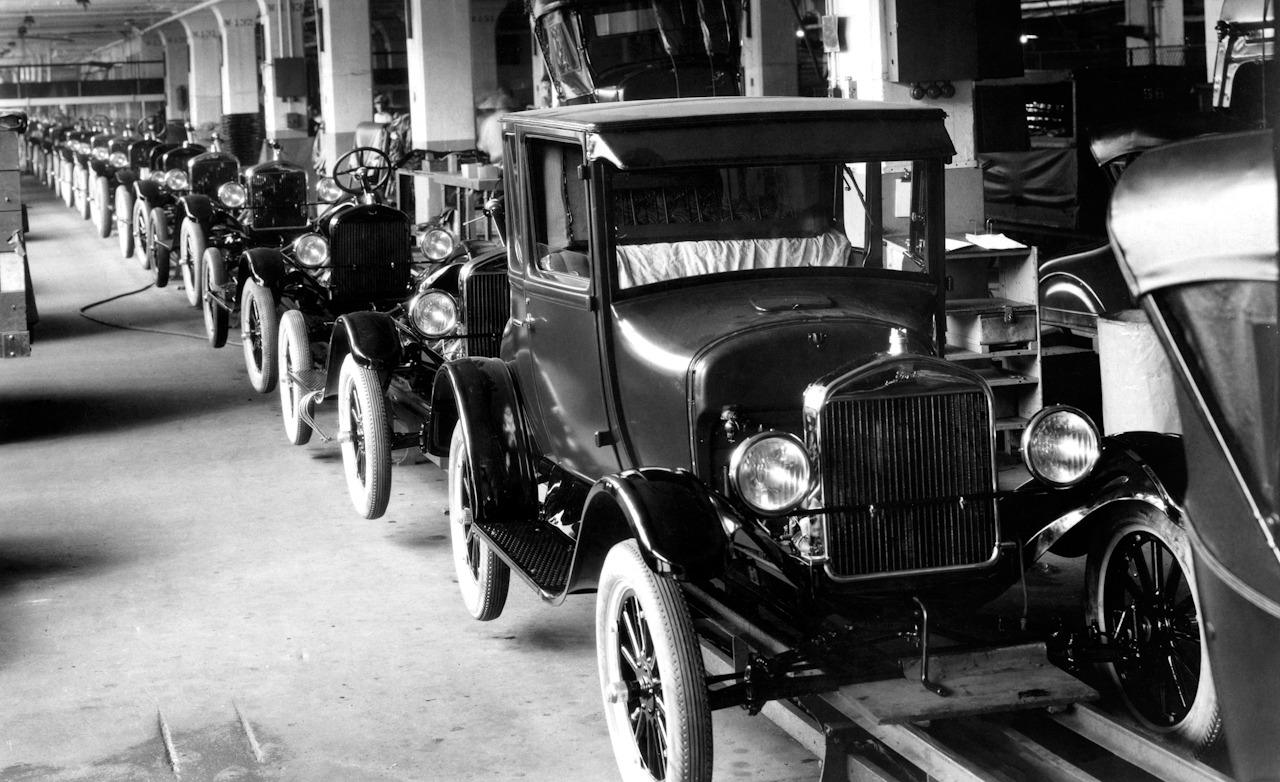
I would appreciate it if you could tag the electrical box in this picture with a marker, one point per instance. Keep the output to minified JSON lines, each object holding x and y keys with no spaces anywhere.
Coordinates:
{"x":952,"y":40}
{"x":291,"y":76}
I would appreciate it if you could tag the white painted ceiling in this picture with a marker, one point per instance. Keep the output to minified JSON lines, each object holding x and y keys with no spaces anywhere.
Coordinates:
{"x":71,"y":30}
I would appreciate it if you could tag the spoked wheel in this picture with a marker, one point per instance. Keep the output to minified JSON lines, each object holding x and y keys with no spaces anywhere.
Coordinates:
{"x":217,"y":320}
{"x":191,"y":247}
{"x":142,"y":231}
{"x":258,"y":335}
{"x":101,"y":206}
{"x":651,"y":673}
{"x":159,"y":246}
{"x":1141,"y":593}
{"x":483,"y":578}
{"x":365,"y":433}
{"x":295,"y":357}
{"x":124,"y":220}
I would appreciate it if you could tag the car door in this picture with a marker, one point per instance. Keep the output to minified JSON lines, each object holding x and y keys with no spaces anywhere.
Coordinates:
{"x":554,"y":310}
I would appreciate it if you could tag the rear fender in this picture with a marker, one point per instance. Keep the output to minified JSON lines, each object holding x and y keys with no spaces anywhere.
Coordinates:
{"x":1134,"y":467}
{"x":481,"y":394}
{"x":372,"y":338}
{"x":671,"y":515}
{"x":196,"y":207}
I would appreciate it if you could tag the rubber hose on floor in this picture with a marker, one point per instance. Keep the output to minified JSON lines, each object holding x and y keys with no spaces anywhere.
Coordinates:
{"x":85,"y":309}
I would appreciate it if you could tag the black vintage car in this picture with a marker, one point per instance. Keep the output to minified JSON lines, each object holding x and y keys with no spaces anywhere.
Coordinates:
{"x":206,"y":206}
{"x":136,"y":166}
{"x":157,"y":197}
{"x":720,"y":397}
{"x":73,"y":150}
{"x":457,"y":306}
{"x":264,"y":213}
{"x":110,"y":155}
{"x":87,"y":152}
{"x":1195,"y":227}
{"x":356,"y":256}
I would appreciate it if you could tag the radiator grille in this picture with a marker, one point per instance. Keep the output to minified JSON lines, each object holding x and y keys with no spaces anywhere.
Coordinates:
{"x":370,"y":260}
{"x":488,"y":307}
{"x":277,"y":199}
{"x":208,"y":175}
{"x":911,"y":458}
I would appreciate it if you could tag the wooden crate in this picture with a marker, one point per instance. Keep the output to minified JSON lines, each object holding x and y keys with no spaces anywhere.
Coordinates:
{"x":15,"y":337}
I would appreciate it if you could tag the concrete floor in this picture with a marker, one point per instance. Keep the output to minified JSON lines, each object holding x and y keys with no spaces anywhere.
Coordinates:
{"x":163,"y":550}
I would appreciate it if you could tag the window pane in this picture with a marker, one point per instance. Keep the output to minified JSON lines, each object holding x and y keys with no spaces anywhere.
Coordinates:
{"x":705,"y":221}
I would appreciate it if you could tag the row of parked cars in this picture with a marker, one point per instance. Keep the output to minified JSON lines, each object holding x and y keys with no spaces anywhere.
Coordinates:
{"x":701,"y":375}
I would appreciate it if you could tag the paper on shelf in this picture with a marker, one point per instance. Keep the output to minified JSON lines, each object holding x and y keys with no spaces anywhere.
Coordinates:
{"x":956,"y":244}
{"x":994,"y":242}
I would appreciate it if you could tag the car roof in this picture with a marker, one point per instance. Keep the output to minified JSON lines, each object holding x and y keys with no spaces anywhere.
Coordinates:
{"x":684,"y":131}
{"x":1196,"y":211}
{"x":1246,"y":11}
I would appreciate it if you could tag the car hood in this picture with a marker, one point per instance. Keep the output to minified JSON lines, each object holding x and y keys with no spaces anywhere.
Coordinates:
{"x":683,"y":358}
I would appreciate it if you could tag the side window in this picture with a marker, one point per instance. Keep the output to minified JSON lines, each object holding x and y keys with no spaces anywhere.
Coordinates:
{"x":558,"y":216}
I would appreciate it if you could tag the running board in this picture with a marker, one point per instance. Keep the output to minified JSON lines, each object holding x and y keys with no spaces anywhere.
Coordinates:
{"x":537,"y":551}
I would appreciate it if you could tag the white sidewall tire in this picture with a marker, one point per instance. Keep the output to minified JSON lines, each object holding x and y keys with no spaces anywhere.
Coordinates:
{"x":141,"y":232}
{"x":124,"y":221}
{"x":258,"y":323}
{"x":191,"y":247}
{"x":1201,"y":727}
{"x":678,"y":657}
{"x":295,"y":356}
{"x":360,"y":397}
{"x":82,"y":193}
{"x":102,"y":206}
{"x":484,"y":588}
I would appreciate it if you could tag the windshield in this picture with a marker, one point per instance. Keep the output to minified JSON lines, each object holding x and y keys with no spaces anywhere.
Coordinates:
{"x":695,"y":223}
{"x":1226,"y":332}
{"x":590,"y":46}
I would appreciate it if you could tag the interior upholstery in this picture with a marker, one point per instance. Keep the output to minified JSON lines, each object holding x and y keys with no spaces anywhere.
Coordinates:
{"x":644,"y":264}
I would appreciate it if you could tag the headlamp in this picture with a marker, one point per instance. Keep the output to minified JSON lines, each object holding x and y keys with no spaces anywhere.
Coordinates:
{"x":231,"y":194}
{"x":311,"y":250}
{"x":433,"y":313}
{"x":770,"y":472}
{"x":177,"y":179}
{"x":437,"y":243}
{"x":1060,"y":445}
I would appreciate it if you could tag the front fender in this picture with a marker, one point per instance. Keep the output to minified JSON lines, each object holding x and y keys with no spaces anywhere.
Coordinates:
{"x":1134,"y":467}
{"x":148,"y":191}
{"x":126,"y":177}
{"x":266,"y":265}
{"x":669,"y":513}
{"x":369,"y":336}
{"x":101,"y":168}
{"x":196,"y":207}
{"x":481,"y":395}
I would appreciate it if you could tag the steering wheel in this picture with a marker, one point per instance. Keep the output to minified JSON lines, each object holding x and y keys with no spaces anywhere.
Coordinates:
{"x":362,"y":170}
